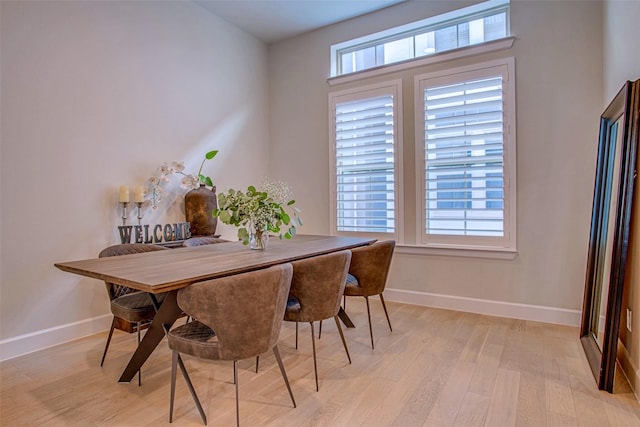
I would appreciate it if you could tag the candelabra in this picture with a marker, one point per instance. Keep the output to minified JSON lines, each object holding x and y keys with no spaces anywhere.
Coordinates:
{"x":124,"y":212}
{"x":139,"y":207}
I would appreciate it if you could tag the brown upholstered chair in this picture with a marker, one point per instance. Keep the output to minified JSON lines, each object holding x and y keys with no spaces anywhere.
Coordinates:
{"x":238,"y":317}
{"x":128,"y":304}
{"x":368,"y":275}
{"x":202,"y":240}
{"x":316,"y":290}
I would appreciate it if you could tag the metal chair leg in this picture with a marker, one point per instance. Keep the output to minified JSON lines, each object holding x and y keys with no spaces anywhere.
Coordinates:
{"x":190,"y":387}
{"x":385,"y":312}
{"x":174,"y":365}
{"x":344,"y":343}
{"x":320,"y":330}
{"x":276,"y":352}
{"x":296,"y":335}
{"x":257,"y":362}
{"x":369,"y":316}
{"x":106,"y":347}
{"x":139,"y":370}
{"x":235,"y":380}
{"x":315,"y":363}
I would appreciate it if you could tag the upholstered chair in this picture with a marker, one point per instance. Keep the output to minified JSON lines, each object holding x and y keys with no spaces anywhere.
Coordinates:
{"x":316,"y":290}
{"x":238,"y":317}
{"x":368,"y":275}
{"x":202,"y":240}
{"x":128,"y":304}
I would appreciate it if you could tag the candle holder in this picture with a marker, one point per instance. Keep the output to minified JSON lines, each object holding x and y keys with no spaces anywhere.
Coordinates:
{"x":139,"y":207}
{"x":124,"y":212}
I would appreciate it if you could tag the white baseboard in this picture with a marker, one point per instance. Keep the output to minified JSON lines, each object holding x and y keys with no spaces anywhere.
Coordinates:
{"x":629,"y":369}
{"x":34,"y":341}
{"x":24,"y":344}
{"x":561,"y":316}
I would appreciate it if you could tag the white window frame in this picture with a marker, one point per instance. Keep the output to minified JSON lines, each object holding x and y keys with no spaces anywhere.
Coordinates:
{"x":394,"y":88}
{"x":458,"y":16}
{"x":506,"y":68}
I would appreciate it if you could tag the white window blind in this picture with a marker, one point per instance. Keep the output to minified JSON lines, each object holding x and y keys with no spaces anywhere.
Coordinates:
{"x":364,"y":162}
{"x":465,"y":159}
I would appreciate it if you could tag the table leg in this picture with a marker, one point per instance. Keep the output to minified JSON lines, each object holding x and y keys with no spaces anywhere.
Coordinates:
{"x":345,"y":318}
{"x":165,"y":317}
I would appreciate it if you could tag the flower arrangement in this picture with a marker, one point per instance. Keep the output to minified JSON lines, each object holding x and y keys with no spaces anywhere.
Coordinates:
{"x":155,"y":185}
{"x":259,"y":211}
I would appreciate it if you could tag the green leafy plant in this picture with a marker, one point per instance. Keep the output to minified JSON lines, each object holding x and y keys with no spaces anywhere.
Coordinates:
{"x":203,"y":178}
{"x":265,"y":210}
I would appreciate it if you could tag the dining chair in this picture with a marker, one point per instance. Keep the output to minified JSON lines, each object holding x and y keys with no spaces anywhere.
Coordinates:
{"x":129,"y":305}
{"x":202,"y":240}
{"x":238,"y":317}
{"x":316,"y":290}
{"x":368,"y":275}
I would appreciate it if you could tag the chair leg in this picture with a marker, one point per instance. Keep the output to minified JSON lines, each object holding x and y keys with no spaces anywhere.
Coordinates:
{"x":315,"y":363}
{"x":174,"y":365}
{"x":257,"y":362}
{"x":276,"y":352}
{"x":320,"y":330}
{"x":344,"y":343}
{"x":235,"y":380}
{"x":139,"y":370}
{"x":190,"y":387}
{"x":106,"y":347}
{"x":369,"y":316}
{"x":296,"y":335}
{"x":385,"y":312}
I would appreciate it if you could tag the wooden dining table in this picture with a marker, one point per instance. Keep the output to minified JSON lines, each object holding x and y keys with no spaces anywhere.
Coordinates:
{"x":165,"y":272}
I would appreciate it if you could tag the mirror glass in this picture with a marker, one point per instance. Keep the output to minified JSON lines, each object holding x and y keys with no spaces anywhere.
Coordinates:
{"x":610,"y":193}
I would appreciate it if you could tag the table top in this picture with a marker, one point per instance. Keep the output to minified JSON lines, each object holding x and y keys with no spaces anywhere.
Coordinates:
{"x":162,"y":271}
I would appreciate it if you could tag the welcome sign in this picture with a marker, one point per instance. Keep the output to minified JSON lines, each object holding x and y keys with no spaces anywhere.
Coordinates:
{"x":157,"y":234}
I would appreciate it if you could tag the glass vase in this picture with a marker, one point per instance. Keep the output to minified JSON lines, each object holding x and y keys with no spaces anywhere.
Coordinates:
{"x":258,"y":238}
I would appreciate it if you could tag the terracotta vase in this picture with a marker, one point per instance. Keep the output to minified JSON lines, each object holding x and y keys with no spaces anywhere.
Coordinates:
{"x":198,"y":205}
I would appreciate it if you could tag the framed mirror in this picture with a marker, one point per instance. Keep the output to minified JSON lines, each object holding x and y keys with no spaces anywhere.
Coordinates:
{"x":609,"y":236}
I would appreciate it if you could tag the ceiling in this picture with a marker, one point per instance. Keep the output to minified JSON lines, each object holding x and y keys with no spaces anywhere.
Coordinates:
{"x":275,"y":20}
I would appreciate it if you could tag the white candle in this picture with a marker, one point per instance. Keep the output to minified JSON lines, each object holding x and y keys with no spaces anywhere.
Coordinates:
{"x":124,"y":194}
{"x":139,"y":194}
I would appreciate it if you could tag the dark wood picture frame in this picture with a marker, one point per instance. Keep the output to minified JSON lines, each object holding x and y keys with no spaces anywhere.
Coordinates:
{"x":609,"y":236}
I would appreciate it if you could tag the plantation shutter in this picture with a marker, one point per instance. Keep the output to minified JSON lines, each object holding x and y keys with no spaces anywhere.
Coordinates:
{"x":464,"y":158}
{"x":364,"y":152}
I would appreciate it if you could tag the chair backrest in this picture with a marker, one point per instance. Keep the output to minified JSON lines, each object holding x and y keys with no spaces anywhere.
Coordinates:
{"x":370,"y":265}
{"x":245,"y":310}
{"x":202,"y":240}
{"x":318,"y":284}
{"x":125,"y":249}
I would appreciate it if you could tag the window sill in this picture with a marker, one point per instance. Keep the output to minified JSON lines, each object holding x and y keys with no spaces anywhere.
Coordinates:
{"x":458,"y":251}
{"x":492,"y":46}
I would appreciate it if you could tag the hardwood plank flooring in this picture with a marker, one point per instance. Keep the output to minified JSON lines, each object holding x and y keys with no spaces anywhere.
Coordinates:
{"x":437,"y":368}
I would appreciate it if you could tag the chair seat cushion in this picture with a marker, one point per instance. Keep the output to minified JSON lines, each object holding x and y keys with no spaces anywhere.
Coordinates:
{"x":352,"y":287}
{"x":135,"y":306}
{"x":194,"y":338}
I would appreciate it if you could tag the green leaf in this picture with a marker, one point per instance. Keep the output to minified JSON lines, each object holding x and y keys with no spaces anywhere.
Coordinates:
{"x":290,"y":202}
{"x":215,"y":213}
{"x":285,"y":218}
{"x":211,"y":154}
{"x":225,"y":217}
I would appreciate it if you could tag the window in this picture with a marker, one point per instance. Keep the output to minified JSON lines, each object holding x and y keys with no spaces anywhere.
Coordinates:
{"x":468,"y":26}
{"x":365,"y":158}
{"x":466,"y":156}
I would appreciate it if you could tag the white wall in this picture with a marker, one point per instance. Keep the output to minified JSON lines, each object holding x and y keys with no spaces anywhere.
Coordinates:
{"x":621,"y":63}
{"x":558,"y":55}
{"x":95,"y":95}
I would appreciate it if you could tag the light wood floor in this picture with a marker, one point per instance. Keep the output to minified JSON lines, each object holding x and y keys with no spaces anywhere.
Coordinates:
{"x":436,"y":368}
